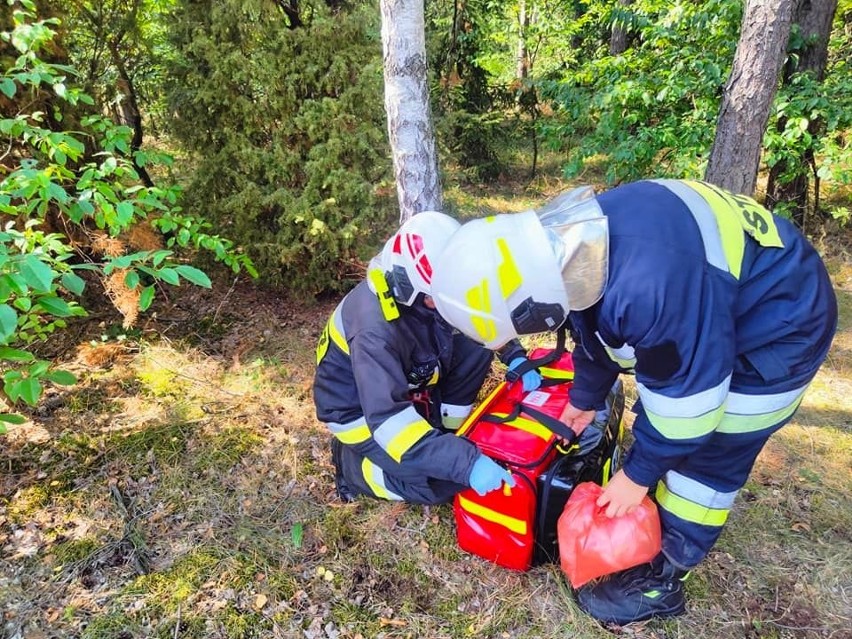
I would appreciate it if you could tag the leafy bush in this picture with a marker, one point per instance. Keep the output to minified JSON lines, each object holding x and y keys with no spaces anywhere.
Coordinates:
{"x":70,"y":211}
{"x":288,"y":128}
{"x":653,"y":108}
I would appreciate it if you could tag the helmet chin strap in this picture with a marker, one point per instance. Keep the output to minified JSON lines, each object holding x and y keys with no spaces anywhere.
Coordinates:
{"x":379,"y":284}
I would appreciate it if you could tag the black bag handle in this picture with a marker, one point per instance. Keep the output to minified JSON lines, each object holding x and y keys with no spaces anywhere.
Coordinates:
{"x":550,"y":423}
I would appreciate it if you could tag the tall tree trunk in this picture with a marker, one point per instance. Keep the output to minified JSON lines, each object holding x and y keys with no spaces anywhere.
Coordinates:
{"x":618,"y":39}
{"x":412,"y":138}
{"x":814,"y":18}
{"x":521,"y":56}
{"x":735,"y":157}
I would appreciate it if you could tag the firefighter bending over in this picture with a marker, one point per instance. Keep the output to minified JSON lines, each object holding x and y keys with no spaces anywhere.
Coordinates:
{"x":722,"y":310}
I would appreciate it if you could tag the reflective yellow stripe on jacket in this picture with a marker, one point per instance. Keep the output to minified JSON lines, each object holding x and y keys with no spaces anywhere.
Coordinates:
{"x":333,"y":331}
{"x":400,"y":432}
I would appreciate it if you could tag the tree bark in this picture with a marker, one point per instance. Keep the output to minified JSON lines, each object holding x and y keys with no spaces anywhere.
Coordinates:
{"x":412,"y":138}
{"x":748,"y":95}
{"x":618,"y":39}
{"x":814,"y":18}
{"x":521,"y":56}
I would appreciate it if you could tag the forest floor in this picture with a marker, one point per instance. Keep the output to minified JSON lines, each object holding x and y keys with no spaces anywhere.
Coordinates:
{"x":183,"y":488}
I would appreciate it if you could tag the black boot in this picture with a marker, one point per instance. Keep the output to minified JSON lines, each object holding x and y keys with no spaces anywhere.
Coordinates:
{"x":345,"y":493}
{"x":649,"y":590}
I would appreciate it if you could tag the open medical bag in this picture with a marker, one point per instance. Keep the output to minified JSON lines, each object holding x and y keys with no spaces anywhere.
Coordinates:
{"x":516,"y":527}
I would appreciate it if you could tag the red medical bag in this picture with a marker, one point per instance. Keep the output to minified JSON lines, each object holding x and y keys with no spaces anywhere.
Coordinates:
{"x":516,"y":527}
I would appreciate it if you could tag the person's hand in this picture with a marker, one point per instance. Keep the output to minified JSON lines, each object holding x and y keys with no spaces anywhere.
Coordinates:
{"x":621,"y":495}
{"x":531,"y":379}
{"x":576,"y":419}
{"x":488,"y":475}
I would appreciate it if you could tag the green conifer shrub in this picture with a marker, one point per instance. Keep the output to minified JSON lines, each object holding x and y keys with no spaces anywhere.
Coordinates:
{"x":287,"y":126}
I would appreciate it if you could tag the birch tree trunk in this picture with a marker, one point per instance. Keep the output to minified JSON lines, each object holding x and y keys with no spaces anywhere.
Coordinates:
{"x":751,"y":87}
{"x":412,"y":138}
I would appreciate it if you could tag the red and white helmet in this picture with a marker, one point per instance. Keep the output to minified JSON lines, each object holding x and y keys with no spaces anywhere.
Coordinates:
{"x":409,"y":256}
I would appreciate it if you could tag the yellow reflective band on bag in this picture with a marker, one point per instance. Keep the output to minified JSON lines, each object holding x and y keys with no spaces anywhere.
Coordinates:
{"x":507,"y":271}
{"x":517,"y":526}
{"x":688,"y":510}
{"x":556,"y":373}
{"x":528,"y":426}
{"x":406,"y":438}
{"x":479,"y":299}
{"x":736,"y":214}
{"x":474,"y":417}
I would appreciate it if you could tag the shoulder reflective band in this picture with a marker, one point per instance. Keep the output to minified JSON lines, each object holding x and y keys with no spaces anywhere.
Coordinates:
{"x":380,"y":285}
{"x":734,"y":216}
{"x":517,"y":526}
{"x":334,"y":331}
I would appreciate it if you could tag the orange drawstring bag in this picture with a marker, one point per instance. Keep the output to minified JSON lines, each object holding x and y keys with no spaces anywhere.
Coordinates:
{"x":592,"y":545}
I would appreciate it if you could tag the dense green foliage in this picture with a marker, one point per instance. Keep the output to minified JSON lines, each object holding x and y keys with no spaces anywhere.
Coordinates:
{"x":61,"y":202}
{"x":275,"y":107}
{"x":651,"y":109}
{"x":287,"y":126}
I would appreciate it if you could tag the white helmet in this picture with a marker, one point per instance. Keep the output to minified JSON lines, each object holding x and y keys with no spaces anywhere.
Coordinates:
{"x":517,"y":274}
{"x":408,"y":258}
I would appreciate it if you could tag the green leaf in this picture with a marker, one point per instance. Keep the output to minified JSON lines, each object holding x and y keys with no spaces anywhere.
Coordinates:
{"x":169,"y":275}
{"x":194,"y":275}
{"x":8,"y":322}
{"x":124,"y":210}
{"x":73,"y":283}
{"x":30,"y":390}
{"x":131,"y":280}
{"x":146,"y":298}
{"x":15,"y":355}
{"x":55,"y":306}
{"x":10,"y":418}
{"x":8,"y":87}
{"x":63,"y":378}
{"x":296,"y":535}
{"x":37,"y":274}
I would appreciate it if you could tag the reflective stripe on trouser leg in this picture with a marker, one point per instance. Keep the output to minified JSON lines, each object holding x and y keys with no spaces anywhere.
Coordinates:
{"x":369,"y":470}
{"x":695,"y":498}
{"x":375,"y":478}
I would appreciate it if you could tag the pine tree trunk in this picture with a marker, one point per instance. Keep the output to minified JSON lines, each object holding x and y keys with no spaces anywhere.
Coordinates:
{"x":412,"y":138}
{"x":751,"y":87}
{"x":814,"y":18}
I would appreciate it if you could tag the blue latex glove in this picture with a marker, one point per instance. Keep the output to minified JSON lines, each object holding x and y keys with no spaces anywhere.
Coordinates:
{"x":488,"y":475}
{"x":531,"y":379}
